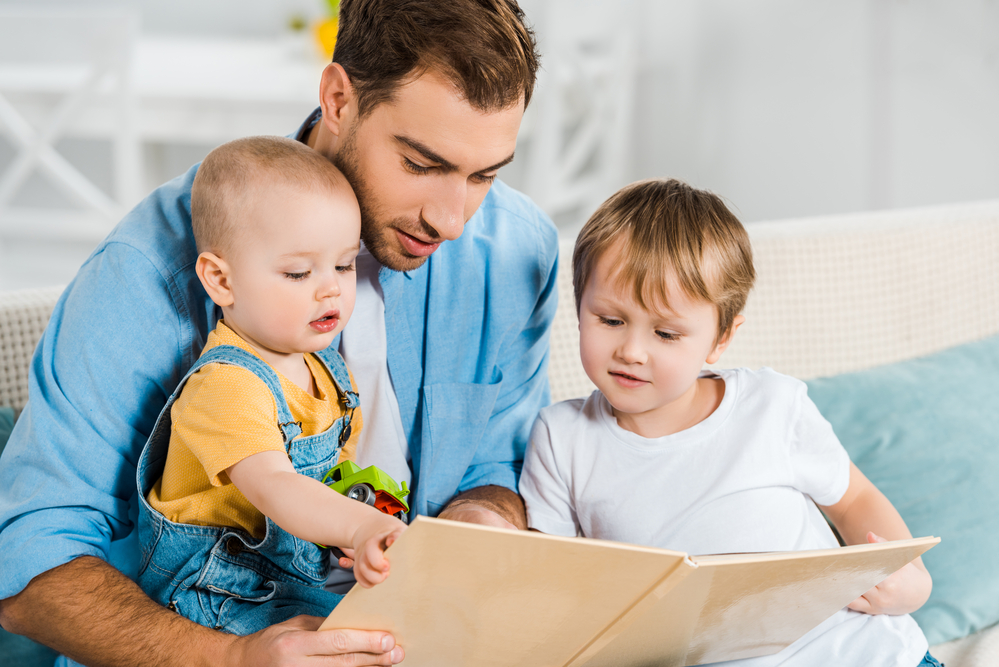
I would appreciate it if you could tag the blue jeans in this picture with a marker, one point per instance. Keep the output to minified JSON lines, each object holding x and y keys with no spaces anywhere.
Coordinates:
{"x":222,"y":577}
{"x":930,"y":661}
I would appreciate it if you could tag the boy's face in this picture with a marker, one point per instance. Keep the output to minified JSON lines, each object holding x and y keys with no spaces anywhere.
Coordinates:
{"x":291,"y":272}
{"x":645,"y":363}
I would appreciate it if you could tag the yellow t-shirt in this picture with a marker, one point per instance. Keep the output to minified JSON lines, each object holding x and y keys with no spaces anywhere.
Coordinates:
{"x":224,"y":414}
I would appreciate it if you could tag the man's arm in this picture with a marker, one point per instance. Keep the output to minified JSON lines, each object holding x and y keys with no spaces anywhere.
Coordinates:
{"x":78,"y":609}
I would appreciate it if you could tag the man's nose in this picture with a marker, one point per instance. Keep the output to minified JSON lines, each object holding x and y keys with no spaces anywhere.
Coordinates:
{"x":445,"y":211}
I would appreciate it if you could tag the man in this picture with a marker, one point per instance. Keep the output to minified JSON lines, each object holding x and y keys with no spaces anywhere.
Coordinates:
{"x":420,"y":108}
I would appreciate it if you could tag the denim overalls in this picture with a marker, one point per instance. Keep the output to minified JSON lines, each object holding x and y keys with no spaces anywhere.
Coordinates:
{"x":223,"y":578}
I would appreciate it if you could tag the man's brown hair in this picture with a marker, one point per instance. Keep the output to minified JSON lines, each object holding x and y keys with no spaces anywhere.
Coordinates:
{"x":483,"y":47}
{"x":227,"y":177}
{"x":670,"y":229}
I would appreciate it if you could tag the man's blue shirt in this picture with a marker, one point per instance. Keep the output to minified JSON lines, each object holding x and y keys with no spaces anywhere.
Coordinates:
{"x":467,"y":338}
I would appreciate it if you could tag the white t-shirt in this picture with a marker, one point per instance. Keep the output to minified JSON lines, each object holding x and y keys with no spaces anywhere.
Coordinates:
{"x":742,"y":480}
{"x":363,"y":345}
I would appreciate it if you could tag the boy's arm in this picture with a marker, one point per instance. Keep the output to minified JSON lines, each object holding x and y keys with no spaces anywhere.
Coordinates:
{"x":316,"y":513}
{"x":865,"y":515}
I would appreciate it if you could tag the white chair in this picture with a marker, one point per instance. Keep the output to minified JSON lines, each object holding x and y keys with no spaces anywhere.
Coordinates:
{"x":56,"y":64}
{"x":578,"y":128}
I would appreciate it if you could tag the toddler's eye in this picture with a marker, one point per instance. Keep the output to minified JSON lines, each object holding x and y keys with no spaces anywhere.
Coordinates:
{"x":666,"y":335}
{"x":297,"y":276}
{"x":345,"y":269}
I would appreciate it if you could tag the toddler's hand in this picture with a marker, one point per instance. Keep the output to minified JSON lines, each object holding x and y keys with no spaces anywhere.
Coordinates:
{"x":371,"y":540}
{"x":902,"y":593}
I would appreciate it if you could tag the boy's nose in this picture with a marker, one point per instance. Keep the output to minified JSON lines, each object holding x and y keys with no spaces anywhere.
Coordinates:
{"x":631,"y":351}
{"x":330,"y":288}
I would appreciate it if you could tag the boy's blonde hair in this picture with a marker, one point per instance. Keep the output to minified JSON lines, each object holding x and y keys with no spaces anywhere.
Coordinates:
{"x":227,"y":177}
{"x":670,"y":229}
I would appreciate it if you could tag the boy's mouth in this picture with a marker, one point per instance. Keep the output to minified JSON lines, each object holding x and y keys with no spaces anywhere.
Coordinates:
{"x":327,"y":322}
{"x":626,"y":380}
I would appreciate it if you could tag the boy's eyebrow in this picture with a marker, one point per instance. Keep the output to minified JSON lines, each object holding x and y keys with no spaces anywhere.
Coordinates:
{"x":443,"y":164}
{"x":310,"y":253}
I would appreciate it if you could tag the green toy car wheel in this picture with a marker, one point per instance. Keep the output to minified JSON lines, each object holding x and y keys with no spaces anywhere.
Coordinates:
{"x":362,"y":493}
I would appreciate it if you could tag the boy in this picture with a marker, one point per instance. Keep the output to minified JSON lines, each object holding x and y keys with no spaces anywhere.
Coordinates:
{"x":669,"y":455}
{"x":229,"y":528}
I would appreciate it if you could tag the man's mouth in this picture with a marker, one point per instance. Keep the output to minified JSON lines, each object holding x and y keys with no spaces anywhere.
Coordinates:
{"x":415,"y":246}
{"x":327,"y":322}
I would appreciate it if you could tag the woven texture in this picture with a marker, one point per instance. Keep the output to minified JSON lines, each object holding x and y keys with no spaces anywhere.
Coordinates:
{"x":23,"y":315}
{"x":843,"y":293}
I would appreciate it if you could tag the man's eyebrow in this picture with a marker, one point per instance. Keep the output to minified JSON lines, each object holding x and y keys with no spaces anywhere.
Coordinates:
{"x":445,"y":165}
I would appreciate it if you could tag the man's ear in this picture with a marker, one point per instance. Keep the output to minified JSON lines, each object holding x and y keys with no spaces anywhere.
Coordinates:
{"x":724,"y":341}
{"x":336,"y":98}
{"x":213,"y":272}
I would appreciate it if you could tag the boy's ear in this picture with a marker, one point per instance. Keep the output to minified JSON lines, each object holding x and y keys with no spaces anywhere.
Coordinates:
{"x":724,"y":341}
{"x":213,"y":272}
{"x":336,"y":97}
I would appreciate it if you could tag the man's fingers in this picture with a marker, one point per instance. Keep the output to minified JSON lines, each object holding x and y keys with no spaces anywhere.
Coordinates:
{"x":357,"y":647}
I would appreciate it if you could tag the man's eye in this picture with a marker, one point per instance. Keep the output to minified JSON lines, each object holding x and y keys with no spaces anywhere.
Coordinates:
{"x":297,"y":276}
{"x":666,"y":335}
{"x":345,"y":269}
{"x":415,"y":168}
{"x":483,"y":178}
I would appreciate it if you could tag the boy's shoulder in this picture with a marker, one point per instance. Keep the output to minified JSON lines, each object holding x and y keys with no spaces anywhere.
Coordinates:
{"x":763,"y":389}
{"x":584,"y":408}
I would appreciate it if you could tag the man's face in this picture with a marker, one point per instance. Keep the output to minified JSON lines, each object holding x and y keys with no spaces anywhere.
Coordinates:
{"x":420,"y":165}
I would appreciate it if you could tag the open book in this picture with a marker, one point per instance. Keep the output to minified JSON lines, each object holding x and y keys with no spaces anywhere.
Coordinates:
{"x":461,"y":594}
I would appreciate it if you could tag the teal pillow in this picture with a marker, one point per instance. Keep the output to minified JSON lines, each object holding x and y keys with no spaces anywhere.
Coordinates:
{"x":6,"y":425}
{"x":926,"y":432}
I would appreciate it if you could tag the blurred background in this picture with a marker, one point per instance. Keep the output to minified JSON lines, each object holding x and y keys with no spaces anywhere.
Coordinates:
{"x":785,"y":108}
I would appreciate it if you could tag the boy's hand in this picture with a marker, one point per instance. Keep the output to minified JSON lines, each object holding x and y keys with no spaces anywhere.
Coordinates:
{"x":902,"y":593}
{"x":371,"y":540}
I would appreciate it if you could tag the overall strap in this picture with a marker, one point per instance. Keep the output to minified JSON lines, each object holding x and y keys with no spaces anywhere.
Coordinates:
{"x":341,"y":376}
{"x":232,"y":355}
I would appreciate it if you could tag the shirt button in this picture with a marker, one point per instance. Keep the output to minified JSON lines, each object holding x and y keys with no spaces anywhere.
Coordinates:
{"x":234,"y":546}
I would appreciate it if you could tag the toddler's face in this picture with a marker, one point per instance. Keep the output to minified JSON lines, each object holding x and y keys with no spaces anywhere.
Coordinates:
{"x":645,"y":363}
{"x":292,"y":268}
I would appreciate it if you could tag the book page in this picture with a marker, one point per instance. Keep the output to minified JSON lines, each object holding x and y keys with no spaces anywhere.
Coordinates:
{"x":461,"y":594}
{"x":746,"y":605}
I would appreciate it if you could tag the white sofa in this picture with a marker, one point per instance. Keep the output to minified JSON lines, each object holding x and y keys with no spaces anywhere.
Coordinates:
{"x":834,"y":295}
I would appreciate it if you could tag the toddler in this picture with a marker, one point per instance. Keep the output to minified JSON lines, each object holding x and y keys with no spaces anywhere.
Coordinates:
{"x":232,"y":503}
{"x":666,"y":454}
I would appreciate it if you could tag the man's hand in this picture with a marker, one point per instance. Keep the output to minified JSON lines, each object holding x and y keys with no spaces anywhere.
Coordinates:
{"x":91,"y":612}
{"x":902,"y":593}
{"x":490,"y":506}
{"x":296,"y":642}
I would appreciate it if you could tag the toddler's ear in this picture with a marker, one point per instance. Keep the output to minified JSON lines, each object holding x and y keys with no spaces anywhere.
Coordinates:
{"x":724,"y":341}
{"x":213,"y":272}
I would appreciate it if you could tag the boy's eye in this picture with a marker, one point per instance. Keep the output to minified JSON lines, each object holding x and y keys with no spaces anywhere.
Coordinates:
{"x":416,"y":168}
{"x":297,"y":276}
{"x":610,"y":321}
{"x":347,"y":268}
{"x":666,"y":335}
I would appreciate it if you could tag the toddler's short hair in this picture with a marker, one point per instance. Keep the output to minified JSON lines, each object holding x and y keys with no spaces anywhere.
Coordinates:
{"x":230,"y":172}
{"x":670,"y":229}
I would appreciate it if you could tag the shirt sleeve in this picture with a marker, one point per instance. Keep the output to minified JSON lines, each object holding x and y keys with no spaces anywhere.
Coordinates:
{"x":819,"y":463}
{"x":523,"y":366}
{"x":545,"y":492}
{"x":107,"y":361}
{"x":225,"y":414}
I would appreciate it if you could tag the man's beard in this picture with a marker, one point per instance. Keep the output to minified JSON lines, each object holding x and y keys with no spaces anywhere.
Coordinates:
{"x":374,"y":234}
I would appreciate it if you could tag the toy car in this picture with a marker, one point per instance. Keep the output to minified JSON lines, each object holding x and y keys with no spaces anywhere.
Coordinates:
{"x":371,"y":486}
